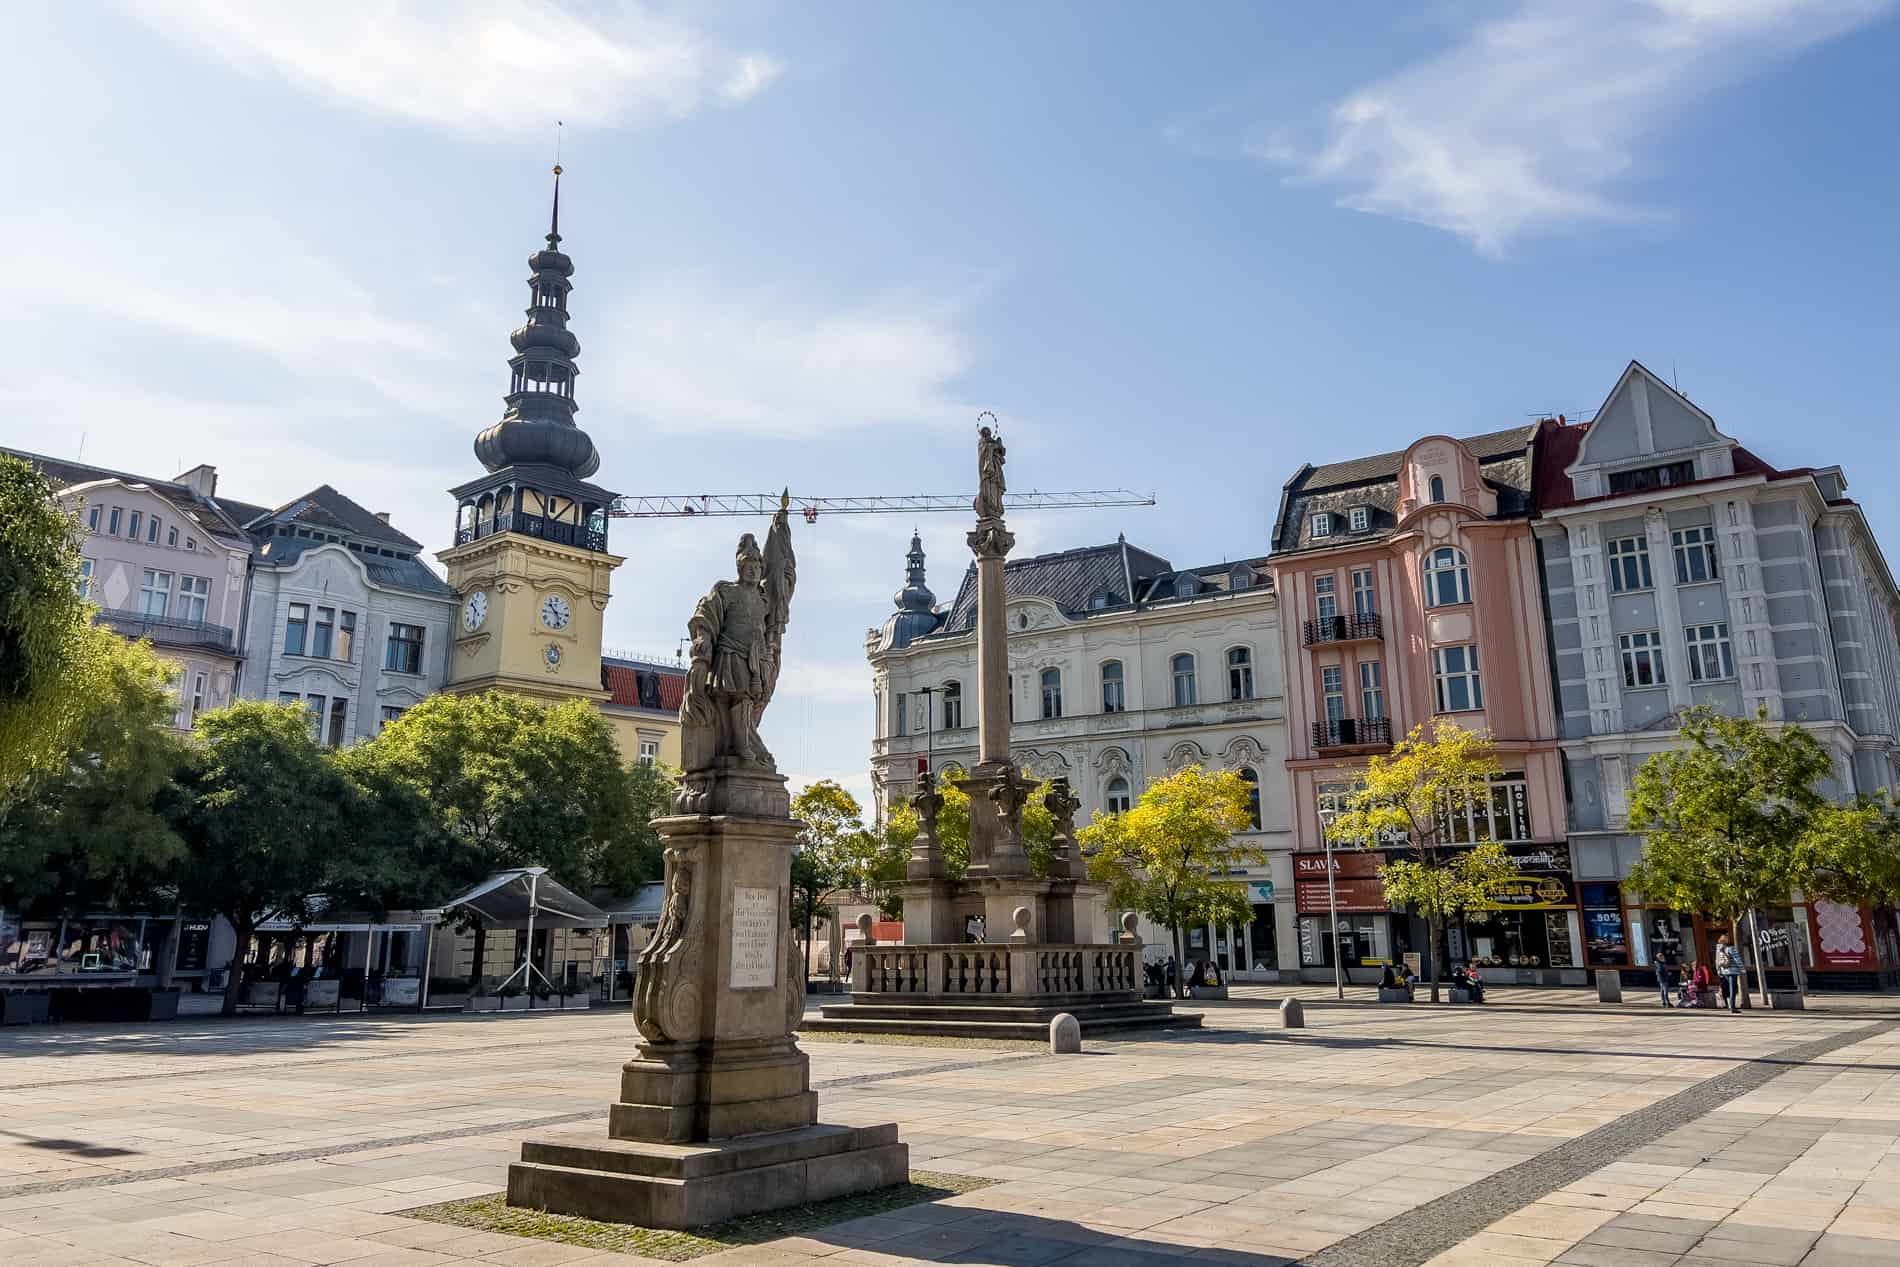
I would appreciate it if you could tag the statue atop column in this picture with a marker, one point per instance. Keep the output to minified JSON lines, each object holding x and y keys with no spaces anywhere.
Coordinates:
{"x":737,"y":630}
{"x":990,"y":538}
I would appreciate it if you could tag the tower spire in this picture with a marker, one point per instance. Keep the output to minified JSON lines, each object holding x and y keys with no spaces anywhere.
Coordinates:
{"x":554,"y":221}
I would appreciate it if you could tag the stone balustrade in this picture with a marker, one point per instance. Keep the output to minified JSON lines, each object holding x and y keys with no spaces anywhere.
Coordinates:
{"x":997,"y":970}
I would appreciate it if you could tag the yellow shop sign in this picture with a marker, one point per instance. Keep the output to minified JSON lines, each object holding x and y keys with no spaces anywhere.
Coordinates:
{"x":1527,"y":893}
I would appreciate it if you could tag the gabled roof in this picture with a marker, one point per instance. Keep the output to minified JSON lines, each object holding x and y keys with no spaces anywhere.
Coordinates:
{"x":1558,"y":445}
{"x":324,"y":507}
{"x":1068,"y":579}
{"x":219,"y":516}
{"x":642,"y":684}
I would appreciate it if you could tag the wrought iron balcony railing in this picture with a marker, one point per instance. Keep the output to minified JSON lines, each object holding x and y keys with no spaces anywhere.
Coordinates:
{"x":555,"y":530}
{"x":1353,"y":732}
{"x":1358,"y":627}
{"x":169,"y":631}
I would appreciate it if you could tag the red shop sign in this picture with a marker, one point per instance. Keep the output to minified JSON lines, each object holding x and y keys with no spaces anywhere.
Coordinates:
{"x":1841,"y":936}
{"x":1349,"y":862}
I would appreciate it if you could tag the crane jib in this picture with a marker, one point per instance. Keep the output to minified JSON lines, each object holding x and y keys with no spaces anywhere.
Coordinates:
{"x":754,"y":504}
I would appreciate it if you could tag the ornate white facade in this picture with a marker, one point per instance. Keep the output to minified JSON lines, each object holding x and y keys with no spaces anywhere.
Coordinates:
{"x":1122,"y":670}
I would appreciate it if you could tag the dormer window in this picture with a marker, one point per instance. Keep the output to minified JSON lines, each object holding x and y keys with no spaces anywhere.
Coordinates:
{"x":1100,"y":600}
{"x":1323,"y":524}
{"x":1240,"y":578}
{"x":1360,"y":518}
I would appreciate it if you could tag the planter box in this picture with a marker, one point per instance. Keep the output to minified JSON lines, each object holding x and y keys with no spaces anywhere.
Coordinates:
{"x":322,"y":994}
{"x":163,"y":1006}
{"x":516,"y":1003}
{"x":1786,"y":1001}
{"x":1207,"y":992}
{"x":576,"y":1000}
{"x":1395,"y":994}
{"x":21,"y":1008}
{"x":261,"y":994}
{"x":402,"y":992}
{"x":484,"y":1003}
{"x":1460,"y":995}
{"x":448,"y":998}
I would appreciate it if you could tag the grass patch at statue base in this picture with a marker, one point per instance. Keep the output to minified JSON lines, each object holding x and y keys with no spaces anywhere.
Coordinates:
{"x":494,"y":1214}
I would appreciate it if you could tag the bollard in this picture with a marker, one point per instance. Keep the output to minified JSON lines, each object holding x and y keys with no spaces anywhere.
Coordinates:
{"x":1609,"y":985}
{"x":1292,"y":1015}
{"x":1065,"y":1035}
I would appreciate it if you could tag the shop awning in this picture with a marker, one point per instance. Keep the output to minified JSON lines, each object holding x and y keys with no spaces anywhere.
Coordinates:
{"x":643,"y":907}
{"x":509,"y":899}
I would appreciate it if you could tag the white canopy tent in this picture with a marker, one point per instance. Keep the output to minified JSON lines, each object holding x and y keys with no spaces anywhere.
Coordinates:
{"x":530,"y":898}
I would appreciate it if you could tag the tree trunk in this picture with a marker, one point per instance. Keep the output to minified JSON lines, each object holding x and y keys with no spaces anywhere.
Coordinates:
{"x":811,"y":921}
{"x":234,"y":971}
{"x":1441,"y":962}
{"x":1180,"y":962}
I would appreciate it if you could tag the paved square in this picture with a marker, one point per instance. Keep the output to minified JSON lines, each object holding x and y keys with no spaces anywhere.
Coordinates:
{"x":1376,"y":1135}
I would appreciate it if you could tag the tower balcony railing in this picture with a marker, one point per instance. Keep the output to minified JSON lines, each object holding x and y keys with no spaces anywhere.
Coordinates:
{"x":1353,"y":732}
{"x":169,"y":631}
{"x":1357,"y":627}
{"x":558,"y":531}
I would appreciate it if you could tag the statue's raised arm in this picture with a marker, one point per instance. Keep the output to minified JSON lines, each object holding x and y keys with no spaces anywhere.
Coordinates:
{"x":781,"y":578}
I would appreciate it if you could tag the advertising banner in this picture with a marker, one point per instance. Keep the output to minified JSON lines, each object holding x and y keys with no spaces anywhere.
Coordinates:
{"x":1843,"y":939}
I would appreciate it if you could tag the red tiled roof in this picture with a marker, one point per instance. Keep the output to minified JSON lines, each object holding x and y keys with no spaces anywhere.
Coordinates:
{"x":623,"y":680}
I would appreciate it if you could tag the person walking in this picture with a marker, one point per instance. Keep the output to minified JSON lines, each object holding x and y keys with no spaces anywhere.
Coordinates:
{"x":1668,"y":961}
{"x":1728,"y":966}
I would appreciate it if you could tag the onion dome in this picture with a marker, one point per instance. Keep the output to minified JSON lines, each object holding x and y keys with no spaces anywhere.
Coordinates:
{"x":538,"y":427}
{"x":916,"y":613}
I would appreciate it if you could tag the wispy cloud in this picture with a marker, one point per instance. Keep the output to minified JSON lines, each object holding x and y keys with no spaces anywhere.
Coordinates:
{"x":1529,"y":122}
{"x":697,"y":356}
{"x":496,"y":67}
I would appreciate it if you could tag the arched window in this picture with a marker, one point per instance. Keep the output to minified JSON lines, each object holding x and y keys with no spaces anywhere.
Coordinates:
{"x":1447,"y":577}
{"x":1051,"y":694}
{"x":1113,"y":700}
{"x":1438,"y":488}
{"x":1118,"y":799}
{"x":1239,"y":673}
{"x":953,"y":705}
{"x":1252,"y":779}
{"x":1182,"y":667}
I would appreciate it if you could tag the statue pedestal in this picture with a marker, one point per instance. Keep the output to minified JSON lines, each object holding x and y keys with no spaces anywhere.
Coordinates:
{"x":716,"y":1116}
{"x":930,"y":908}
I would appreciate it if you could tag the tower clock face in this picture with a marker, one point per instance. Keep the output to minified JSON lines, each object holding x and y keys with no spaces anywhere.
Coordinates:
{"x":554,"y":612}
{"x":475,"y":610}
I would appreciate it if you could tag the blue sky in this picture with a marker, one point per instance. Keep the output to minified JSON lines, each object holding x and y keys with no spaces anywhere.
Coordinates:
{"x":1180,"y":249}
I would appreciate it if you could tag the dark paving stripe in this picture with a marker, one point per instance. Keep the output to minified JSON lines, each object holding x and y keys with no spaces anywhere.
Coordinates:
{"x":189,"y":1169}
{"x":1408,"y":1239}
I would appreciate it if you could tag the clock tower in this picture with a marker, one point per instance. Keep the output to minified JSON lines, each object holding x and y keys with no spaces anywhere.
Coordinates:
{"x":530,"y":560}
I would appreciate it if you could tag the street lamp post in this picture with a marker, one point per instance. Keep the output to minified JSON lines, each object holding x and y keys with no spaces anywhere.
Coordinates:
{"x":1332,"y":905}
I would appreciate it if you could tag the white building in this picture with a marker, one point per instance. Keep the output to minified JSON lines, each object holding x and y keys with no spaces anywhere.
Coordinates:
{"x":343,"y":616}
{"x":1122,"y":669}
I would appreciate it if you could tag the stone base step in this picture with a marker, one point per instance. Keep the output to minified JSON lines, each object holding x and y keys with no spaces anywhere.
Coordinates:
{"x":988,"y":1013}
{"x":919,"y":1021}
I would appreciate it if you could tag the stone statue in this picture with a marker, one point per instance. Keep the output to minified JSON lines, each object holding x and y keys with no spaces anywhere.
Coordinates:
{"x":928,"y":803}
{"x":1065,"y":859}
{"x":736,"y":632}
{"x":990,"y":455}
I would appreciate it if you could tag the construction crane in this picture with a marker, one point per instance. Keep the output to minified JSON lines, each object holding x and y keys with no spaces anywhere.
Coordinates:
{"x":756,"y":504}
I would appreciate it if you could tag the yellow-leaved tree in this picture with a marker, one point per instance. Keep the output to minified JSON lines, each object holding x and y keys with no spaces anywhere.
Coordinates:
{"x":1403,"y":801}
{"x":1168,"y":856}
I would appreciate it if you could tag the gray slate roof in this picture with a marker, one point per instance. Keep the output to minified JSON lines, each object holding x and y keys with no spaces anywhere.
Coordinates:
{"x":219,"y":516}
{"x":409,"y":574}
{"x":1068,"y":579}
{"x":324,"y":507}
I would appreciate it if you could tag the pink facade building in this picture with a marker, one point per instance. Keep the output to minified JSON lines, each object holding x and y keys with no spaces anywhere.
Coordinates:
{"x":1409,"y":592}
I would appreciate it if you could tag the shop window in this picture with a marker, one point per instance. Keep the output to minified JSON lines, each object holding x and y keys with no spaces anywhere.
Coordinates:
{"x":1360,"y":940}
{"x":1605,"y":936}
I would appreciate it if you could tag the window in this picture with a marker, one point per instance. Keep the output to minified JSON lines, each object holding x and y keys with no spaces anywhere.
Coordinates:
{"x":1645,"y":478}
{"x":1710,"y":656}
{"x":198,"y":688}
{"x":194,"y":593}
{"x":1364,"y":603}
{"x":1360,"y":518}
{"x":953,"y":705}
{"x":392,"y":713}
{"x":1695,"y":555}
{"x":297,"y":629}
{"x":322,"y":638}
{"x":171,"y":536}
{"x":1438,"y":489}
{"x":286,"y":697}
{"x":1322,"y":525}
{"x":313,"y":705}
{"x":1332,"y":688}
{"x":1252,"y":779}
{"x":155,"y":593}
{"x":133,"y":524}
{"x":1642,"y":659}
{"x":1112,"y":699}
{"x":92,"y":519}
{"x":112,"y":522}
{"x":1629,"y":564}
{"x":151,"y":532}
{"x":1183,"y":670}
{"x":1371,"y":690}
{"x":1051,"y":694}
{"x":1099,"y":600}
{"x":1325,"y":600}
{"x":404,"y":652}
{"x":84,"y":582}
{"x":1239,"y":673}
{"x":1447,"y":577}
{"x":346,"y":636}
{"x":1118,"y":799}
{"x":649,"y":751}
{"x":1240,"y":578}
{"x":1501,"y":814}
{"x":339,"y":718}
{"x":1455,"y":677}
{"x":191,"y":543}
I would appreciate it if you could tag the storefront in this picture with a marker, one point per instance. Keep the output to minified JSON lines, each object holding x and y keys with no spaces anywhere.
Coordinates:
{"x":1528,"y":931}
{"x":1343,"y":914}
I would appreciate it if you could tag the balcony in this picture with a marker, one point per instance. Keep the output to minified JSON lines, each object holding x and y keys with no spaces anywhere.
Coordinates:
{"x":167,"y":631}
{"x":1358,"y":627}
{"x":560,"y":532}
{"x":1353,"y":732}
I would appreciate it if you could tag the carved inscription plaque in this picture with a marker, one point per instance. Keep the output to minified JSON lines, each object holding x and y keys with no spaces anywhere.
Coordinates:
{"x":755,"y":920}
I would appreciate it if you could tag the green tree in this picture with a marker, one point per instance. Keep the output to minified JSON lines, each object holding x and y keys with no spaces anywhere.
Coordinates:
{"x":1404,"y":798}
{"x":1168,"y":856}
{"x":1851,"y":853}
{"x":953,"y":828}
{"x":1463,"y":882}
{"x":92,"y":834}
{"x":810,"y":883}
{"x":827,"y":816}
{"x":54,"y":665}
{"x":635,"y":857}
{"x":1728,"y":817}
{"x":519,"y":784}
{"x":260,"y":820}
